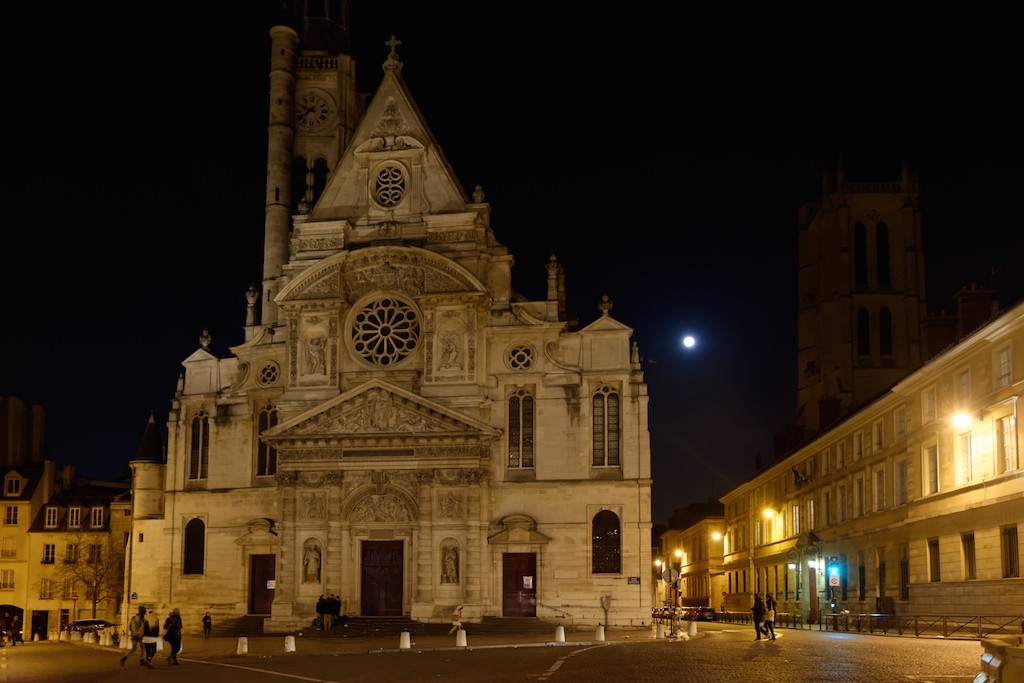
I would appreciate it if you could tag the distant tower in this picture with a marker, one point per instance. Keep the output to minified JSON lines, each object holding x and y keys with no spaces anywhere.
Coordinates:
{"x":314,"y":109}
{"x":861,"y":295}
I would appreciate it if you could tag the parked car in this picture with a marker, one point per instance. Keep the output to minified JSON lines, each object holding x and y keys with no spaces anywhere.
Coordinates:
{"x":699,"y":613}
{"x":91,"y":625}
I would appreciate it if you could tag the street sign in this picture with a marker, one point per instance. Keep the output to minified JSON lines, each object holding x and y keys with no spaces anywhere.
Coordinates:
{"x":74,"y":597}
{"x":670,"y":575}
{"x":833,"y":580}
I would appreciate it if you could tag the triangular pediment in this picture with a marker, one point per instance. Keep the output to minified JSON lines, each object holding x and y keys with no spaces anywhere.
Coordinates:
{"x":606,"y":323}
{"x":392,"y":132}
{"x":380,"y":414}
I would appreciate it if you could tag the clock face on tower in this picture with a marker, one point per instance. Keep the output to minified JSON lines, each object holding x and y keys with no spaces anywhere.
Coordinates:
{"x":312,"y":110}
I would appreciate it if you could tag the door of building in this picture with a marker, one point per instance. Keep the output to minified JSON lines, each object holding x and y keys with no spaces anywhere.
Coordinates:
{"x":261,"y":583}
{"x":381,"y":592}
{"x":519,"y":584}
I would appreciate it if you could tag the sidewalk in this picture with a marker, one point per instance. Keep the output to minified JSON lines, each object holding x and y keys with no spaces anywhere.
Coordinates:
{"x":317,"y":642}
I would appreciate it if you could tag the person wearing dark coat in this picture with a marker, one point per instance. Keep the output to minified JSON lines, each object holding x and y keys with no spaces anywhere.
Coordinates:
{"x":758,"y":610}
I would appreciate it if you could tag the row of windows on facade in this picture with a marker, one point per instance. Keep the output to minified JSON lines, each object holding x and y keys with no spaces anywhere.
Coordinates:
{"x":929,"y":413}
{"x":9,"y":549}
{"x":606,"y":421}
{"x":606,"y":548}
{"x":49,"y":589}
{"x":967,"y":470}
{"x":96,"y":517}
{"x":777,"y":578}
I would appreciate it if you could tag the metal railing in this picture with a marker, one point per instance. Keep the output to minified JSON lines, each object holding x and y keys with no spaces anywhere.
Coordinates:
{"x":927,"y":625}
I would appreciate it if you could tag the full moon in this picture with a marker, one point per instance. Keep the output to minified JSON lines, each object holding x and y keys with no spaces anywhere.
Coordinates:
{"x":689,"y":341}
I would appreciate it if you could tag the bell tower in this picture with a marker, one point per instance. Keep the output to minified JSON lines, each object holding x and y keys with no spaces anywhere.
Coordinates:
{"x":314,"y":110}
{"x":861,"y":294}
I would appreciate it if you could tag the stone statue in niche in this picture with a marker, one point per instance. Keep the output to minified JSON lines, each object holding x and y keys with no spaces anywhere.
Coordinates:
{"x":450,"y":565}
{"x":316,"y":356}
{"x":451,"y":356}
{"x":311,"y":560}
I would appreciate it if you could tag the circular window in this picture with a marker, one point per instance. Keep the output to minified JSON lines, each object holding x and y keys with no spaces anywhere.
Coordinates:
{"x":268,"y":374}
{"x":389,"y":184}
{"x":520,"y":357}
{"x":385,"y":331}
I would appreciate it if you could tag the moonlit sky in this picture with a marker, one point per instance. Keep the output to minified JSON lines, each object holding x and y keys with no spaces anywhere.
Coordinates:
{"x":661,"y":158}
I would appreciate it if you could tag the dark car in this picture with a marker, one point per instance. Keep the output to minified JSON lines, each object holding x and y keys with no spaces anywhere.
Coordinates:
{"x":699,"y":613}
{"x":91,"y":625}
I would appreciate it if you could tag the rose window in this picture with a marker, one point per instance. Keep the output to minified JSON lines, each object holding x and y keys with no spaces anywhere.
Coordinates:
{"x":385,"y":331}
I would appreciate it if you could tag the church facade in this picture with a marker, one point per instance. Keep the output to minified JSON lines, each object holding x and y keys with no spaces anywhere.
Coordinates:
{"x":398,"y":427}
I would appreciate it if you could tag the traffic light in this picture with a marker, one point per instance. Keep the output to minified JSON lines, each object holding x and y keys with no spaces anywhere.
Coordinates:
{"x":833,"y":580}
{"x":833,"y":566}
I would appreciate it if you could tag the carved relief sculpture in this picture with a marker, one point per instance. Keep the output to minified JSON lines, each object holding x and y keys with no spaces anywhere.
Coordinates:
{"x":450,"y":565}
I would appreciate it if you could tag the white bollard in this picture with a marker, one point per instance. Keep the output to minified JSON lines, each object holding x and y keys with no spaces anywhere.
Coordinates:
{"x":125,"y":643}
{"x":404,"y":641}
{"x":659,"y":632}
{"x":243,"y":646}
{"x":559,"y":634}
{"x":599,"y":636}
{"x":460,"y":638}
{"x":692,"y":631}
{"x":289,"y":643}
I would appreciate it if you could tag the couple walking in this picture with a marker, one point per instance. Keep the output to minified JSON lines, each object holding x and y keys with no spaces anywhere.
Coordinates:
{"x":144,"y":636}
{"x":764,"y":615}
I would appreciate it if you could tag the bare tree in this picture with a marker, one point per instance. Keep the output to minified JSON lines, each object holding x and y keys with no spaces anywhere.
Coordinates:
{"x":93,"y":561}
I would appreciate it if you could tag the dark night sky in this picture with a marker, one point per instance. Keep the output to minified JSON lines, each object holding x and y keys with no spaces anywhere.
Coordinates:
{"x":661,"y":158}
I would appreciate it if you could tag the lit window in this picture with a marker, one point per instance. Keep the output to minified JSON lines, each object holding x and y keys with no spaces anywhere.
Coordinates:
{"x":266,"y":455}
{"x":520,"y":429}
{"x":606,"y":427}
{"x":965,"y":456}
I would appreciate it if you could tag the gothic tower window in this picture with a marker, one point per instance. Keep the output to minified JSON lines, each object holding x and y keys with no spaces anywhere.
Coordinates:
{"x":606,"y":427}
{"x":199,"y":454}
{"x":863,"y":333}
{"x":266,"y":455}
{"x":885,"y":332}
{"x":606,"y":550}
{"x":860,"y":256}
{"x":194,"y":559}
{"x":882,"y":255}
{"x":520,"y":429}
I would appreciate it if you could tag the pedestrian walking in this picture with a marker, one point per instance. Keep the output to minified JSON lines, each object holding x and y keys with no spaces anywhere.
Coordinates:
{"x":456,"y":620}
{"x":137,"y":631}
{"x":769,"y":615}
{"x":207,"y":625}
{"x":16,"y":630}
{"x":152,"y":636}
{"x":172,"y":634}
{"x":758,"y":611}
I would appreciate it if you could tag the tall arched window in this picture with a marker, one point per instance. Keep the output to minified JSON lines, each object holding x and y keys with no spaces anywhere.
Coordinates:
{"x":860,"y":255}
{"x":882,"y":253}
{"x":863,"y":333}
{"x":266,"y":455}
{"x":199,"y":455}
{"x":520,"y":429}
{"x":194,"y":560}
{"x":606,"y":543}
{"x":885,"y":332}
{"x":606,"y":427}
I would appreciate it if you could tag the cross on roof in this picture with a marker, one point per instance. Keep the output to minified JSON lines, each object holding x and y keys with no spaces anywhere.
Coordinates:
{"x":393,"y":43}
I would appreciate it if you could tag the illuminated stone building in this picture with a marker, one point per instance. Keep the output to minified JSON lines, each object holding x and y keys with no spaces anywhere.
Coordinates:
{"x":398,"y":426}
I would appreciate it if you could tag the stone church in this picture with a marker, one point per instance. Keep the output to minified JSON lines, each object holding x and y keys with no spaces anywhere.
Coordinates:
{"x":398,"y":427}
